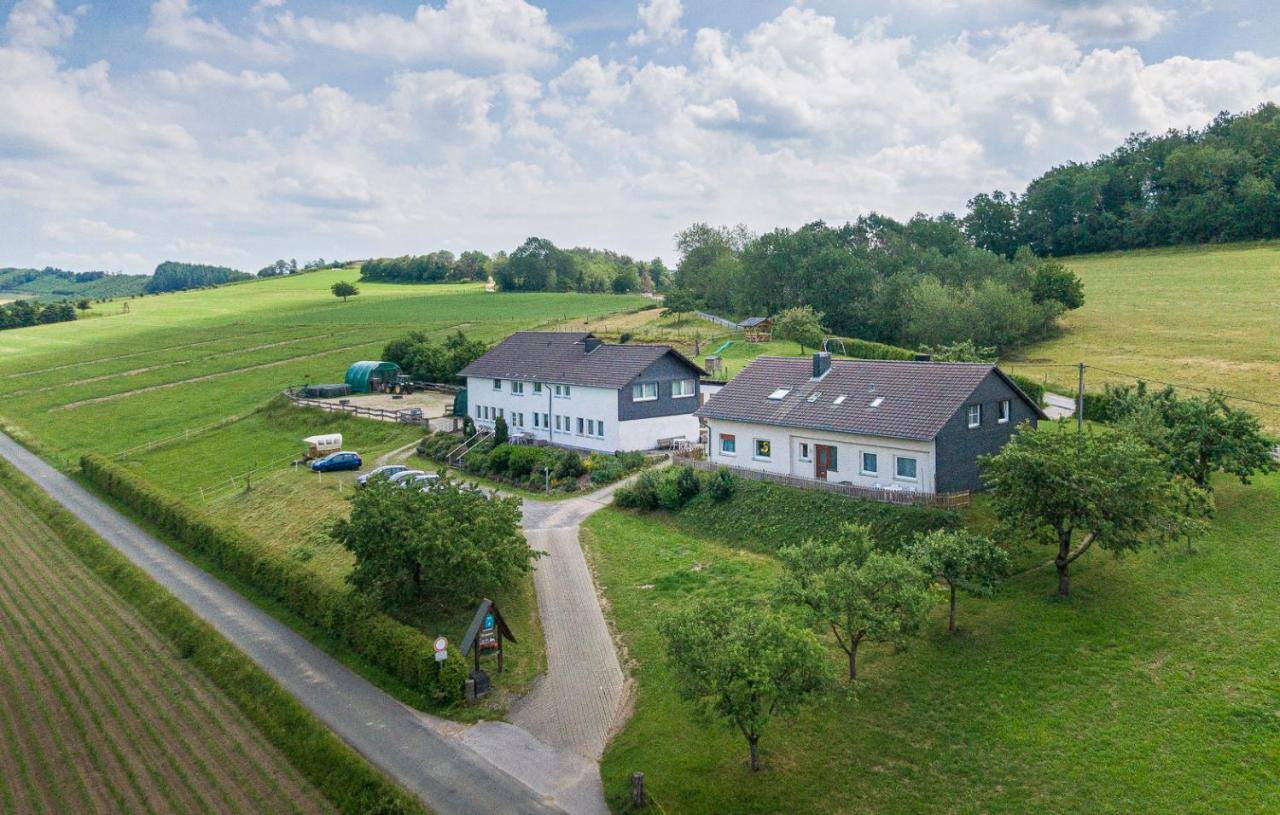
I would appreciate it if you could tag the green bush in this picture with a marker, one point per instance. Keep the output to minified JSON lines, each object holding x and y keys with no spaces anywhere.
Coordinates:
{"x":866,"y":349}
{"x":569,"y":465}
{"x":402,"y":651}
{"x":525,"y":460}
{"x":341,"y":775}
{"x":607,"y":471}
{"x":678,"y":487}
{"x":721,"y":485}
{"x":497,"y":460}
{"x":641,"y":495}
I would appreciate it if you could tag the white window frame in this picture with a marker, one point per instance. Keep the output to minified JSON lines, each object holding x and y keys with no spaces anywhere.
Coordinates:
{"x":755,"y":447}
{"x":563,"y":392}
{"x":580,"y":426}
{"x":732,"y":437}
{"x":497,"y":384}
{"x":537,"y":420}
{"x":517,"y":388}
{"x":1003,"y":411}
{"x":897,"y":476}
{"x":537,"y":387}
{"x":546,"y":421}
{"x":862,"y":462}
{"x":681,"y":384}
{"x":640,"y":392}
{"x":970,"y":418}
{"x":804,"y":452}
{"x":517,"y":419}
{"x":599,"y":428}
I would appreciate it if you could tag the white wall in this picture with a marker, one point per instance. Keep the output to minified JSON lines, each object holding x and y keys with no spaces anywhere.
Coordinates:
{"x":785,"y":454}
{"x":600,"y":404}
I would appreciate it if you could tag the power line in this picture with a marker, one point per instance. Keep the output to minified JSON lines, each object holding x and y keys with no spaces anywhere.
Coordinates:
{"x":1183,"y":386}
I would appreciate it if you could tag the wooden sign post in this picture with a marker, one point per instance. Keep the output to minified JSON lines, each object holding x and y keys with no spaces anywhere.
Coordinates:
{"x":485,"y":635}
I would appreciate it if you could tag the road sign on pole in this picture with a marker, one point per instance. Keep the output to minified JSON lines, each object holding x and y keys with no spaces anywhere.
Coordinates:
{"x":442,"y":649}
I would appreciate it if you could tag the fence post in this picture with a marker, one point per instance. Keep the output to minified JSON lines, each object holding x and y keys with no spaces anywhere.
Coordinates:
{"x":638,"y":798}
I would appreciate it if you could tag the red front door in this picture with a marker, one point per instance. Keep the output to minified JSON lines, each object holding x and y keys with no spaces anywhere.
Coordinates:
{"x":824,"y":458}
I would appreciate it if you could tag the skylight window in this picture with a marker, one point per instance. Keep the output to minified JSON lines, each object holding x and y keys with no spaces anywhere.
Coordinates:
{"x":815,"y":396}
{"x":840,"y":399}
{"x":877,"y":401}
{"x":779,"y":393}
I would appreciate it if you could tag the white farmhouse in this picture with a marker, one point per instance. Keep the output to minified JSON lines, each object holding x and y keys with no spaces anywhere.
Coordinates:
{"x":574,"y":390}
{"x":916,"y":426}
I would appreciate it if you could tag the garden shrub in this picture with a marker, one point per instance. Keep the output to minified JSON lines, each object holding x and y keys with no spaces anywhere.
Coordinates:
{"x":641,"y":495}
{"x":1030,"y":387}
{"x":607,"y":471}
{"x":678,"y":487}
{"x":721,"y":485}
{"x":401,"y":650}
{"x":569,"y":465}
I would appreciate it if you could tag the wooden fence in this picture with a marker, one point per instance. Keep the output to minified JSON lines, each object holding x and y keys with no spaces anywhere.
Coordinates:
{"x":413,"y":416}
{"x":711,"y":318}
{"x":949,"y":500}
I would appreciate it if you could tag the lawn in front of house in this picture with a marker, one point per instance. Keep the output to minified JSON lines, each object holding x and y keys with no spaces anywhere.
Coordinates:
{"x":1153,"y":689}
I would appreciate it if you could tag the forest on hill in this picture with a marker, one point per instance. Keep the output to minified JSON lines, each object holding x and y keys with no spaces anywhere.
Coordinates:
{"x":56,"y":284}
{"x":1212,"y":185}
{"x":174,"y":276}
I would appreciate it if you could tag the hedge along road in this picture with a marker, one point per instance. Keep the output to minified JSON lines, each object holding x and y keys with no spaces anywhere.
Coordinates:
{"x":425,"y":755}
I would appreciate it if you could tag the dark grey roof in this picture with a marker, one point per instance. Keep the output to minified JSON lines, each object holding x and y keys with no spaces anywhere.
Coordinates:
{"x":563,"y":358}
{"x":752,"y":321}
{"x":918,"y":397}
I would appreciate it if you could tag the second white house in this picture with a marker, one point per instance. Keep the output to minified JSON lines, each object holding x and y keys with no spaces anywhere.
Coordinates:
{"x":574,"y":390}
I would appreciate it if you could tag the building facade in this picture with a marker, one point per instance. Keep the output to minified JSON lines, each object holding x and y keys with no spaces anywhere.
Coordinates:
{"x":573,"y":390}
{"x":916,"y":426}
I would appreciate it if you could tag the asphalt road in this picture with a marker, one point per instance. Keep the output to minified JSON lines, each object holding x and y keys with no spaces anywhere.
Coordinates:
{"x":433,"y":759}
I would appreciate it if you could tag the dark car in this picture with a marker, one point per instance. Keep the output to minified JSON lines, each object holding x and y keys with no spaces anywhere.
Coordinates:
{"x":337,"y":461}
{"x":385,"y":471}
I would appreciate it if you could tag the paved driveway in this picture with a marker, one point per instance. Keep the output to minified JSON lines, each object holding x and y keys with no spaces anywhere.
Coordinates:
{"x":489,"y":768}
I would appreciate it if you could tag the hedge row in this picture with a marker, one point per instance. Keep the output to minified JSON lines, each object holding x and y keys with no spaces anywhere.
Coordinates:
{"x":337,"y":771}
{"x":866,"y":349}
{"x":762,"y":516}
{"x":1030,"y":387}
{"x":403,"y":651}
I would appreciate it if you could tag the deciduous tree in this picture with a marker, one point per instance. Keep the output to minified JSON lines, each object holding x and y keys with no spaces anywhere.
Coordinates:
{"x":801,"y":324}
{"x":743,"y":663}
{"x":344,"y":290}
{"x":1076,"y":490}
{"x":857,"y":591}
{"x":961,"y":560}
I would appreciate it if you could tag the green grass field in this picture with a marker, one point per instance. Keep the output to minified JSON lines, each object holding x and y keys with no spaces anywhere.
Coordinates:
{"x":180,"y":361}
{"x":213,"y":361}
{"x":1153,"y":689}
{"x":1203,"y":316}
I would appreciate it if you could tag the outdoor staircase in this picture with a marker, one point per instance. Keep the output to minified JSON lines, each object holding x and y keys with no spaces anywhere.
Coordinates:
{"x":458,"y":453}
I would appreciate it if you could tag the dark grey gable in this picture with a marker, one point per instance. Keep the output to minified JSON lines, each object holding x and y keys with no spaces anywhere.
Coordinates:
{"x":958,"y":446}
{"x":664,"y":371}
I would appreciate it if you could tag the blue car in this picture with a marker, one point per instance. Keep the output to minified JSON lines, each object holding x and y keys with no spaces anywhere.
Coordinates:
{"x":337,"y":461}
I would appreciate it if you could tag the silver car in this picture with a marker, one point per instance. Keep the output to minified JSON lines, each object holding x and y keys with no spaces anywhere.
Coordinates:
{"x":385,"y":471}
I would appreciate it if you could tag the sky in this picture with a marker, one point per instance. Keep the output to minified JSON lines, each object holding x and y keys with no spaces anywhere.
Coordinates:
{"x":237,"y":132}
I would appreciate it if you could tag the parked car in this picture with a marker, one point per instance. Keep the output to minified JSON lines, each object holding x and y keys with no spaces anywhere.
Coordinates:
{"x":426,"y":481}
{"x":344,"y":460}
{"x":385,"y":471}
{"x":405,"y":477}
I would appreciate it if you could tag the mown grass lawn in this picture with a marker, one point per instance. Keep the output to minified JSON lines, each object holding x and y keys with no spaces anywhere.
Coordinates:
{"x":1203,"y":316}
{"x":1155,"y":688}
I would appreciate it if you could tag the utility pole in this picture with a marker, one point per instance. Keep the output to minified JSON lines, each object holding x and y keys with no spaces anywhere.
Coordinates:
{"x":1080,"y":402}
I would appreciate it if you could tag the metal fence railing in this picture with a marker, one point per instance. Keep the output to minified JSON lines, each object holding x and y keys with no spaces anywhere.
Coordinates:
{"x":412,"y":416}
{"x":951,"y":500}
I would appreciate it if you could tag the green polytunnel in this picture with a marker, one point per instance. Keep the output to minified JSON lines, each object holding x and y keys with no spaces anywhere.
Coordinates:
{"x":360,"y":374}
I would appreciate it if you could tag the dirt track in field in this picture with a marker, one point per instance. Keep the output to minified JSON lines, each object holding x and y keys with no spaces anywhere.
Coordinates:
{"x":98,"y":714}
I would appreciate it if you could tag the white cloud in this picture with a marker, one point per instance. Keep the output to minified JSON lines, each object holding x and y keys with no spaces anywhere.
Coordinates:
{"x":510,"y":34}
{"x":85,"y":229}
{"x":659,"y":23}
{"x":1116,"y":21}
{"x":39,"y":24}
{"x":201,"y":76}
{"x":176,"y":24}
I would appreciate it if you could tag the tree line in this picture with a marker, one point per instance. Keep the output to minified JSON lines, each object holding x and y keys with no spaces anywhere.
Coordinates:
{"x":25,"y":313}
{"x":1210,"y":185}
{"x":536,"y":265}
{"x":908,"y":284}
{"x":174,"y":276}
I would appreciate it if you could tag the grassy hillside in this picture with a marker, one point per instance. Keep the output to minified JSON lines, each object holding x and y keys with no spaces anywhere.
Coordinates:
{"x":1153,"y":689}
{"x":180,"y":361}
{"x":55,"y":286}
{"x":1204,"y":316}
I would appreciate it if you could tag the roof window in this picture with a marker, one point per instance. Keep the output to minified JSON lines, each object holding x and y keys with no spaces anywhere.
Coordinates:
{"x":815,"y":396}
{"x":840,"y":399}
{"x":875,"y":403}
{"x":779,"y":393}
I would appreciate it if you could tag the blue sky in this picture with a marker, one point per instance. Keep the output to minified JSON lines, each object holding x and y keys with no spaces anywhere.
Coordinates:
{"x":240,"y":131}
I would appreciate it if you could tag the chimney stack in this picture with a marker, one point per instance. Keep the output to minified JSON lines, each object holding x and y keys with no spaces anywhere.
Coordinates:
{"x":592,"y":343}
{"x":821,"y":364}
